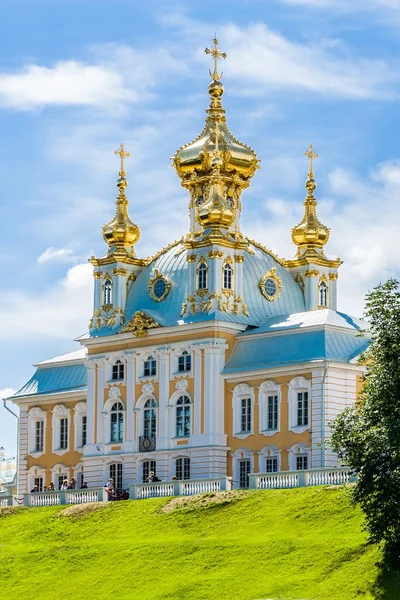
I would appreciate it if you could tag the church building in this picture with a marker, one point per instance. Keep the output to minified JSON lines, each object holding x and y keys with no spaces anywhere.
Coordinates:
{"x":212,"y":358}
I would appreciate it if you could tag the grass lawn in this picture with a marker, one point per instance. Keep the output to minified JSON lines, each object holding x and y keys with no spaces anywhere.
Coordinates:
{"x":301,"y":544}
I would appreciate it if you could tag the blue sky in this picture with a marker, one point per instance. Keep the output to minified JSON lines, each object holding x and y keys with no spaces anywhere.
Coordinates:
{"x":78,"y":77}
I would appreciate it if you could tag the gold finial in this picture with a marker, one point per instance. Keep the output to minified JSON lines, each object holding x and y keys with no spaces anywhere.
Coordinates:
{"x":123,"y":154}
{"x":216,"y":54}
{"x":310,"y":155}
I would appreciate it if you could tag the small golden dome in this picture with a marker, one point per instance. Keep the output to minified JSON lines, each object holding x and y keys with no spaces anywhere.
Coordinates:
{"x":216,"y":212}
{"x":310,"y":232}
{"x":121,"y":232}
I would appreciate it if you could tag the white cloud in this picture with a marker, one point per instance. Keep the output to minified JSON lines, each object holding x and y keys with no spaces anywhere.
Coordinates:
{"x":60,"y":312}
{"x":6,"y":392}
{"x":117,"y":75}
{"x":60,"y":254}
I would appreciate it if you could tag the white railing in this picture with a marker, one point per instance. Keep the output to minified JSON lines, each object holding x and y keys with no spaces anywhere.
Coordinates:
{"x":291,"y":479}
{"x":66,"y":497}
{"x":6,"y":500}
{"x":187,"y":487}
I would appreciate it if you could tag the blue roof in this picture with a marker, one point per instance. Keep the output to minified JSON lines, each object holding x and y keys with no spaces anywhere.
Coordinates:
{"x":173,"y":264}
{"x":269,"y":351}
{"x":66,"y":378}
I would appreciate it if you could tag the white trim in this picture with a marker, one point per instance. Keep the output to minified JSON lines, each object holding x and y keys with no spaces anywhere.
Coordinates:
{"x":296,"y":386}
{"x":298,"y":449}
{"x":241,"y":392}
{"x":80,"y":410}
{"x":35,"y":415}
{"x":60,"y":412}
{"x":270,"y":451}
{"x":237,"y":456}
{"x":266,"y":389}
{"x":32,"y":473}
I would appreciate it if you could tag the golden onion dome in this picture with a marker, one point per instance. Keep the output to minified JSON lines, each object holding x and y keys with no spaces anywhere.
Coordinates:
{"x":216,"y":212}
{"x":193,"y":161}
{"x":121,"y":231}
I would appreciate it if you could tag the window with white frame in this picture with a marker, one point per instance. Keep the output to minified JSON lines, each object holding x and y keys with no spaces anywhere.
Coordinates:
{"x":84,"y":430}
{"x":150,"y":367}
{"x":244,"y":472}
{"x":271,"y":464}
{"x":269,"y":459}
{"x":115,"y":471}
{"x":242,"y":466}
{"x":323,"y":294}
{"x":184,"y":362}
{"x":117,"y":422}
{"x":150,"y":418}
{"x":272,"y":412}
{"x":36,"y":476}
{"x":299,"y":457}
{"x":118,"y":371}
{"x":60,"y":426}
{"x":182,"y":468}
{"x":36,"y":431}
{"x":269,"y":404}
{"x":147,"y":467}
{"x":183,"y":417}
{"x":227,"y":276}
{"x":242,"y":404}
{"x":202,"y":276}
{"x":38,"y":483}
{"x":80,"y":425}
{"x":299,"y":404}
{"x":107,"y":291}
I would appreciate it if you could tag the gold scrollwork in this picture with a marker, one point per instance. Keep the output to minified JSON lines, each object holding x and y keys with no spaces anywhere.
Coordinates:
{"x":239,"y":258}
{"x":139,"y":324}
{"x":311,"y":273}
{"x":333,"y":276}
{"x":97,"y":274}
{"x":270,"y":275}
{"x":215,"y":254}
{"x":157,"y":276}
{"x":119,"y":271}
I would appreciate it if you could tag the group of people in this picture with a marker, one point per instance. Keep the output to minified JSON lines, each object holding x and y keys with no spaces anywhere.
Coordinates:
{"x":113,"y":494}
{"x":66,"y":485}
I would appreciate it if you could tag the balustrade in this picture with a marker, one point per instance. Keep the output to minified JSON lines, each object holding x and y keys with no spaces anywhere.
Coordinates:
{"x":291,"y":479}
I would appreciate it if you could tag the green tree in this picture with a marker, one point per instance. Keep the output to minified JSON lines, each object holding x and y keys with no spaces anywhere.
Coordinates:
{"x":367,"y":435}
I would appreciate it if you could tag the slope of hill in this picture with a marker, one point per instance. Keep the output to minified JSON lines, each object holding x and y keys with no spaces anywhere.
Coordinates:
{"x":287,"y":544}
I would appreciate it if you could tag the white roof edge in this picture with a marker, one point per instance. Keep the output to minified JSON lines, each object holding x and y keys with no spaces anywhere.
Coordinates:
{"x":76,"y":356}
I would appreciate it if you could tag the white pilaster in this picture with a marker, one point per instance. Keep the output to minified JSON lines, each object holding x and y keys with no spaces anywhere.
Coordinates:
{"x":100,"y":399}
{"x":197,"y":374}
{"x":90,"y":405}
{"x":162,"y":439}
{"x":130,"y":360}
{"x":214,"y":358}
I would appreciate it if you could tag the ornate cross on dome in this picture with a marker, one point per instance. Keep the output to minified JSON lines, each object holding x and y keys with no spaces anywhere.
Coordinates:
{"x":216,"y":54}
{"x":216,"y":131}
{"x":121,"y":152}
{"x":310,"y":155}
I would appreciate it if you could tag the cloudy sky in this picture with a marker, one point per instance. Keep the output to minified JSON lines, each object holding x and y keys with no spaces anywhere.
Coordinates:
{"x":78,"y":77}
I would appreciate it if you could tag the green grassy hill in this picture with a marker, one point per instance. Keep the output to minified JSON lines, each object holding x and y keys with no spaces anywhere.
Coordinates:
{"x":287,"y":544}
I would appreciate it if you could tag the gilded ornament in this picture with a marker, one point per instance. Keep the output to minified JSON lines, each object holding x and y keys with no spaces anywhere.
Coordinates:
{"x":311,"y":273}
{"x":139,"y":324}
{"x":159,"y":286}
{"x":191,"y":258}
{"x":120,"y":271}
{"x":239,"y":258}
{"x":97,"y":274}
{"x":333,"y":276}
{"x":245,"y":310}
{"x":184,"y":308}
{"x":215,"y":254}
{"x":270,"y":285}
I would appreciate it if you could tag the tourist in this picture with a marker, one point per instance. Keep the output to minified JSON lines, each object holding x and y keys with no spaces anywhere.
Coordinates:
{"x":124,"y":495}
{"x":51,"y":487}
{"x":84,"y":485}
{"x":64,"y":485}
{"x":45,"y":488}
{"x":73,"y":484}
{"x":35,"y":489}
{"x":110,"y":488}
{"x":152,"y":478}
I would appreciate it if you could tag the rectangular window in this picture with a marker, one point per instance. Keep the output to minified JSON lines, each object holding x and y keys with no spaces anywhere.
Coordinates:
{"x":150,"y":367}
{"x":84,"y":429}
{"x":184,"y":363}
{"x":245,"y":415}
{"x":302,"y":462}
{"x":182,"y":468}
{"x":60,"y":480}
{"x":81,"y":478}
{"x":63,"y":433}
{"x":39,"y":436}
{"x":244,"y":471}
{"x":148,"y":465}
{"x":118,"y":370}
{"x":271,"y":464}
{"x":39,"y":483}
{"x":272,"y":419}
{"x":116,"y":475}
{"x":302,"y":408}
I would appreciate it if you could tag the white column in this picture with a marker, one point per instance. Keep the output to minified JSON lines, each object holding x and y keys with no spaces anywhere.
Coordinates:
{"x":214,"y":359}
{"x":332,"y":292}
{"x":238,"y":275}
{"x":196,"y":441}
{"x":130,"y":401}
{"x":100,"y":399}
{"x":163,"y":361}
{"x":90,"y":406}
{"x":311,"y":289}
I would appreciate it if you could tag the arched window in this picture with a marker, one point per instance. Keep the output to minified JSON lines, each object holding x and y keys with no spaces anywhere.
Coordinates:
{"x":108,"y":291}
{"x":147,"y":467}
{"x":323,"y":294}
{"x":183,"y":417}
{"x":184,"y":362}
{"x":227,"y":276}
{"x":150,"y":418}
{"x":117,"y":423}
{"x":202,"y":276}
{"x":118,"y":370}
{"x":150,"y":367}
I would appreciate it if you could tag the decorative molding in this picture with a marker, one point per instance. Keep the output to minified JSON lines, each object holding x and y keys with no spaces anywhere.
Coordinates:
{"x":239,"y":258}
{"x":147,"y":388}
{"x":119,"y":271}
{"x":157,"y":275}
{"x":271,"y":275}
{"x":311,"y":273}
{"x":181,"y":385}
{"x":215,"y":254}
{"x":333,"y":276}
{"x":191,"y":258}
{"x":97,"y":274}
{"x":139,"y":324}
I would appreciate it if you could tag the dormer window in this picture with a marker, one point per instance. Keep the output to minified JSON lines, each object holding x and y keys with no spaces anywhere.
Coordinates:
{"x":184,"y":362}
{"x":202,"y":276}
{"x":118,"y":371}
{"x":323,"y":294}
{"x":227,"y":276}
{"x":150,"y":367}
{"x":108,"y":291}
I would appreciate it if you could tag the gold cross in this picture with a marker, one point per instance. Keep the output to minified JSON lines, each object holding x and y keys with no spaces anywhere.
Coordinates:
{"x":121,"y":152}
{"x":216,"y":54}
{"x":310,"y":155}
{"x":215,"y":130}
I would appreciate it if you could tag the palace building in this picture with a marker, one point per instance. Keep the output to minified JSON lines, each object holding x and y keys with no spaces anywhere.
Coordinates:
{"x":214,"y":357}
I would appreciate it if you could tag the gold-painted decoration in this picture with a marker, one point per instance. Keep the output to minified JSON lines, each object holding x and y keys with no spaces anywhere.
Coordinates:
{"x":120,"y":271}
{"x":139,"y":324}
{"x":310,"y":234}
{"x":298,"y":279}
{"x":333,"y":276}
{"x":245,"y":310}
{"x":270,"y":285}
{"x":164,"y":285}
{"x":239,"y":258}
{"x":191,"y":258}
{"x":311,"y":273}
{"x":216,"y":54}
{"x":215,"y":254}
{"x":97,"y":274}
{"x":121,"y":233}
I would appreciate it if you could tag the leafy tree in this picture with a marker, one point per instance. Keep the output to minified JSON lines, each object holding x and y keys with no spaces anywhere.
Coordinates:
{"x":367,"y":435}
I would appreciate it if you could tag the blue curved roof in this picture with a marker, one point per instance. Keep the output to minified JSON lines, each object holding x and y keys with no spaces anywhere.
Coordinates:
{"x":173,"y":264}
